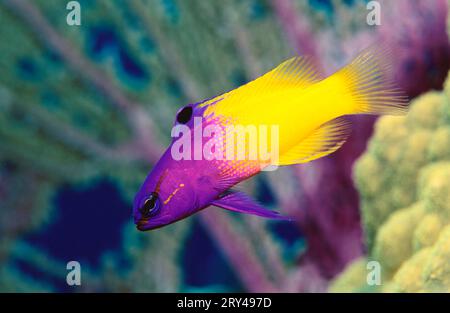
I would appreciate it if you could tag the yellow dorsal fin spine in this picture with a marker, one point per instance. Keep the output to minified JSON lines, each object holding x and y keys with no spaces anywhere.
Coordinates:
{"x":299,"y":72}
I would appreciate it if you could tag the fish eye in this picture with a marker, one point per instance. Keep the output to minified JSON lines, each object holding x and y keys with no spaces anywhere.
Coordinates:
{"x":184,"y":115}
{"x":151,"y":205}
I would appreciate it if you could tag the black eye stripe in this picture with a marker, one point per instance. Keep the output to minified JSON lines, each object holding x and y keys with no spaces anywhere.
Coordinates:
{"x":185,"y":115}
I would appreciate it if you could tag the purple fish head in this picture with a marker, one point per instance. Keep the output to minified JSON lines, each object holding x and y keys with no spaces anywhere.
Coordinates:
{"x":166,"y":196}
{"x":176,"y":187}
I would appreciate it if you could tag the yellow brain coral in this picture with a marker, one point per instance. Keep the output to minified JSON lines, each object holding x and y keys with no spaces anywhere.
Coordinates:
{"x":393,"y":244}
{"x":404,"y":182}
{"x":427,"y":232}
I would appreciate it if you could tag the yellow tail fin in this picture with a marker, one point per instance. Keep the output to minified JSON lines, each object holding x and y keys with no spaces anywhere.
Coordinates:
{"x":368,"y":80}
{"x":363,"y":86}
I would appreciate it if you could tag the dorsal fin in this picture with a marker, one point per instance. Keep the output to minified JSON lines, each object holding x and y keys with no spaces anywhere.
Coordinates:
{"x":324,"y":140}
{"x":299,"y":72}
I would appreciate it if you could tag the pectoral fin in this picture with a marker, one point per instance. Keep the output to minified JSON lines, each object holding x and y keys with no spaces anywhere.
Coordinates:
{"x":239,"y":202}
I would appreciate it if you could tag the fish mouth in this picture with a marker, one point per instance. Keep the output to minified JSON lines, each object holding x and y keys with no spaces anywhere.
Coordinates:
{"x":145,"y":224}
{"x":140,"y":225}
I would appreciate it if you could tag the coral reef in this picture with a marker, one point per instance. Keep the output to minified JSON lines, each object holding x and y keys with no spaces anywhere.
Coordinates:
{"x":404,"y":181}
{"x":96,"y":101}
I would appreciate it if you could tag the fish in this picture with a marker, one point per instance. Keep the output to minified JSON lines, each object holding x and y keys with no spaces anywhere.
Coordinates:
{"x":307,"y":111}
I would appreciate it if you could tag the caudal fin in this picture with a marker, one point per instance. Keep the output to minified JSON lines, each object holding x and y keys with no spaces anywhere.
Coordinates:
{"x":363,"y":86}
{"x":369,"y":80}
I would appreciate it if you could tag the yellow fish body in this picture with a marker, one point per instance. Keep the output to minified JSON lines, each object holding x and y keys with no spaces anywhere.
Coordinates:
{"x":309,"y":108}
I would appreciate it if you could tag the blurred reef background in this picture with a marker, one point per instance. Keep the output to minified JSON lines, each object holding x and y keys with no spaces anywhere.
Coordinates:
{"x":86,"y":110}
{"x":404,"y":183}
